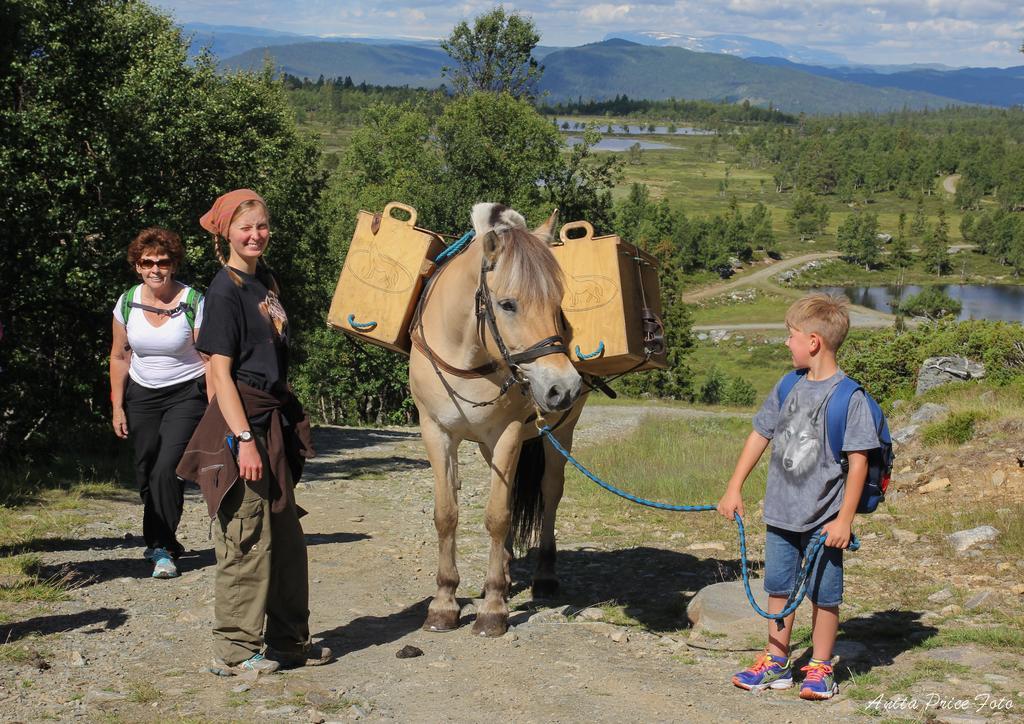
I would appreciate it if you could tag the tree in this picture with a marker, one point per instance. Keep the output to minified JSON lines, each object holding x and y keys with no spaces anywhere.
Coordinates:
{"x":713,"y":387}
{"x":107,"y":126}
{"x":930,"y":302}
{"x":935,"y":249}
{"x":899,"y":252}
{"x":858,"y":239}
{"x":496,"y":55}
{"x":919,"y":224}
{"x":807,"y":217}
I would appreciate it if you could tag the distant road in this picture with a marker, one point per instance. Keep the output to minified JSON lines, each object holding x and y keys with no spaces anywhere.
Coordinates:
{"x":760,"y":275}
{"x":949,"y":183}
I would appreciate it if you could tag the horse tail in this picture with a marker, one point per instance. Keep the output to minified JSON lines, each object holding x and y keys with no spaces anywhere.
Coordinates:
{"x":527,"y":500}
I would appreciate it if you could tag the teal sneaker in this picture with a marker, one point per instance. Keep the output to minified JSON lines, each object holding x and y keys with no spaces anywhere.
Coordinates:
{"x":163,"y":564}
{"x":255,"y":665}
{"x":820,"y":682}
{"x":768,"y":672}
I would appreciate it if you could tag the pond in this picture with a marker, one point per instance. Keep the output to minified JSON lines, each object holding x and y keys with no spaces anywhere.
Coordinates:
{"x":636,"y":129}
{"x":622,"y":144}
{"x":978,"y":301}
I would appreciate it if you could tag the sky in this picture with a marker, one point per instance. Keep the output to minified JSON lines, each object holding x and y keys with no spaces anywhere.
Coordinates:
{"x":953,"y":32}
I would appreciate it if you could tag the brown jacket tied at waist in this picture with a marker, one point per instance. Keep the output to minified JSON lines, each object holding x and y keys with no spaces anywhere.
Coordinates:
{"x":209,"y":462}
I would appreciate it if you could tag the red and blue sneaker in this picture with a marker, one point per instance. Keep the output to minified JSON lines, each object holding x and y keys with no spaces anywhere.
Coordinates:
{"x":768,"y":672}
{"x":820,"y":683}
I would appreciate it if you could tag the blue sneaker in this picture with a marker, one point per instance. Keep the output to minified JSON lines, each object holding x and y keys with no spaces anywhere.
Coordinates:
{"x":820,"y":682}
{"x":163,"y":564}
{"x":768,"y":672}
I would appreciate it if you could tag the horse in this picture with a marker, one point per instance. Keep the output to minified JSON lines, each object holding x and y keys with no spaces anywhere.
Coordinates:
{"x":488,"y":363}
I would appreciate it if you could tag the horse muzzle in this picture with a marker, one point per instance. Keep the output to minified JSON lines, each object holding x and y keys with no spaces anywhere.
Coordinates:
{"x":555,"y":390}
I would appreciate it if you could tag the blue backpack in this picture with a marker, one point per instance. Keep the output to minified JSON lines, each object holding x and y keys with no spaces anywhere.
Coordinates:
{"x":880,"y":460}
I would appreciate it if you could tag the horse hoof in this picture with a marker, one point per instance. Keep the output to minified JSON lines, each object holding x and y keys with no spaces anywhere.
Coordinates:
{"x":490,"y":624}
{"x":545,"y":588}
{"x":441,"y":621}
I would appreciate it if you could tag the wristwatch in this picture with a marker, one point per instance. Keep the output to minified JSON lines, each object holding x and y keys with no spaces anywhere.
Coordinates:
{"x":244,"y":436}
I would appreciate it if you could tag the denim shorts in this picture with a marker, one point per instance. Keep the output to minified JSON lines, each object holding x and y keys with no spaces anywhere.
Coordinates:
{"x":783,"y":560}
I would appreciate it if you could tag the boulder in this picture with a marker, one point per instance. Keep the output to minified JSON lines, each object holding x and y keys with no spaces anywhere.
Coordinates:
{"x":723,"y":608}
{"x":928,"y":412}
{"x":938,"y":371}
{"x":904,"y":434}
{"x":963,"y":540}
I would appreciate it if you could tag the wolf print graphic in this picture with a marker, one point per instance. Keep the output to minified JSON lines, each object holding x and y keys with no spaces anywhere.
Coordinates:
{"x":798,"y":446}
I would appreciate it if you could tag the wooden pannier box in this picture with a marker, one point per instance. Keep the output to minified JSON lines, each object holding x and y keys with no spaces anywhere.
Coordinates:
{"x":608,"y":283}
{"x":380,"y":283}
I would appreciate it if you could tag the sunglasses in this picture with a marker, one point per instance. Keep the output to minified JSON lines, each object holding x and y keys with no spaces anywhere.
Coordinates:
{"x":150,"y":263}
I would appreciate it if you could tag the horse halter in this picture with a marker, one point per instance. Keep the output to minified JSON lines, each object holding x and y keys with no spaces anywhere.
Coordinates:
{"x":485,"y":316}
{"x":484,"y":310}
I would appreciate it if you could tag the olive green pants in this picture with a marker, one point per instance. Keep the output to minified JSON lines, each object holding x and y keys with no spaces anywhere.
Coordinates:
{"x":262,"y":575}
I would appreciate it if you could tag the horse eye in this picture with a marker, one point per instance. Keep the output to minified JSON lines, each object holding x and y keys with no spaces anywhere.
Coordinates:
{"x":508,"y":305}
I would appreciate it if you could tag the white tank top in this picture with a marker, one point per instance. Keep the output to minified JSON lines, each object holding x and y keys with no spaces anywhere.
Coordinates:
{"x":165,"y":355}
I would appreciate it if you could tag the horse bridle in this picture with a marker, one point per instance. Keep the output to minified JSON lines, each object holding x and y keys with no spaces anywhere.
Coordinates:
{"x":486,"y":320}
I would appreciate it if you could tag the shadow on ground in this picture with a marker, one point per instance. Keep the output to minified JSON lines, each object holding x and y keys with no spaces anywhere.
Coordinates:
{"x":101,"y":619}
{"x":367,"y":631}
{"x":653,"y":585}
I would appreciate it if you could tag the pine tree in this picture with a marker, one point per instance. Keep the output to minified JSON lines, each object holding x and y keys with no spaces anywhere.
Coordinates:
{"x":899,"y":252}
{"x":919,"y":225}
{"x":935,"y":249}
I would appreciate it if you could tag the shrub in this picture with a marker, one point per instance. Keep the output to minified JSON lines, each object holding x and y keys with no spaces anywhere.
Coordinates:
{"x":714,"y":385}
{"x":739,"y":393}
{"x":887,"y":361}
{"x":956,"y":429}
{"x":930,"y":302}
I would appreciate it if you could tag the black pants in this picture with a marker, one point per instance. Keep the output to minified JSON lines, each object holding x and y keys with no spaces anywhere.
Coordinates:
{"x":161,"y":422}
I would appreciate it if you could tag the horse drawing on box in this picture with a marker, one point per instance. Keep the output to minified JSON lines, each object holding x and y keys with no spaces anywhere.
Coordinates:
{"x":488,"y":357}
{"x":380,"y":270}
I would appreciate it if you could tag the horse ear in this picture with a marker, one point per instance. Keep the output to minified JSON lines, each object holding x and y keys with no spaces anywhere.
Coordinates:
{"x":546,"y":231}
{"x":491,"y":247}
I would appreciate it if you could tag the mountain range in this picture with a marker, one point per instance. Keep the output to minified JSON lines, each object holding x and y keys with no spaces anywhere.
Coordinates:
{"x":740,"y":68}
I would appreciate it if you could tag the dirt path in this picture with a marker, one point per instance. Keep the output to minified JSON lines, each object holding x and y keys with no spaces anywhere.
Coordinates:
{"x":761,"y":275}
{"x":126,"y":647}
{"x":949,"y":183}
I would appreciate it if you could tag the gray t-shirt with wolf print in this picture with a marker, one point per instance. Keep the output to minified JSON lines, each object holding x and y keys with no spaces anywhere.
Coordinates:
{"x":805,"y":483}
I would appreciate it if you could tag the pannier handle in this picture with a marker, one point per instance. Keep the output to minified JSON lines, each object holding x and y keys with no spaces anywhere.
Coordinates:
{"x":404,"y":207}
{"x":585,"y":225}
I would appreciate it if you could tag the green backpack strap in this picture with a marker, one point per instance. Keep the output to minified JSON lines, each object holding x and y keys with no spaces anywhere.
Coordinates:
{"x":126,"y":302}
{"x":192,"y":300}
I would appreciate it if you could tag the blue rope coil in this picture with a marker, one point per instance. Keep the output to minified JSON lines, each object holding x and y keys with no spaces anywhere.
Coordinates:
{"x":450,"y":251}
{"x":359,"y":325}
{"x":794,"y":599}
{"x":591,"y":355}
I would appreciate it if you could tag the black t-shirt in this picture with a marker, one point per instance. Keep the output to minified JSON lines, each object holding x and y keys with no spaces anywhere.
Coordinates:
{"x":248,"y":324}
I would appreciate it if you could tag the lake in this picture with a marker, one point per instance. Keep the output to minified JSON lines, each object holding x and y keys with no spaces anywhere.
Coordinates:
{"x":979,"y":301}
{"x":622,"y":144}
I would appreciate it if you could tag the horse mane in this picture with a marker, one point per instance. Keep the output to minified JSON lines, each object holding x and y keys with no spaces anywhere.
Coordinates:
{"x":527,"y":270}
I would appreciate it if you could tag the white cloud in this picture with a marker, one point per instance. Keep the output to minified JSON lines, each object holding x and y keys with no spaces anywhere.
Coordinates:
{"x":606,"y":13}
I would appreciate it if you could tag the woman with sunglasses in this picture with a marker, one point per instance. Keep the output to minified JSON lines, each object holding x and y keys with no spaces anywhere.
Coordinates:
{"x":158,"y":385}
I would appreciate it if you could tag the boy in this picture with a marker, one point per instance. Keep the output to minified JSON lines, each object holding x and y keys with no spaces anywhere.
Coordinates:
{"x":807,"y":493}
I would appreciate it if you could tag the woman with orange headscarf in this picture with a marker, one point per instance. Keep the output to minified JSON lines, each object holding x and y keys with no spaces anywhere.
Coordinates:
{"x":248,"y":451}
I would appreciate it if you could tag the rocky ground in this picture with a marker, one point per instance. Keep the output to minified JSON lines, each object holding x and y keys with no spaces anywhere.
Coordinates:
{"x":125,"y":647}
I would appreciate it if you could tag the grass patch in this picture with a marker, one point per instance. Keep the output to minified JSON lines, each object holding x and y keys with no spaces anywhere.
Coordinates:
{"x":21,"y":652}
{"x":746,"y":306}
{"x":674,"y":461}
{"x":956,"y":429}
{"x":1010,"y":638}
{"x":143,"y":692}
{"x":20,"y":581}
{"x":869,"y":685}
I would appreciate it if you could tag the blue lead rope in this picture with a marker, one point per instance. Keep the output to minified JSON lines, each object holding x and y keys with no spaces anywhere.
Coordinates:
{"x":795,"y":598}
